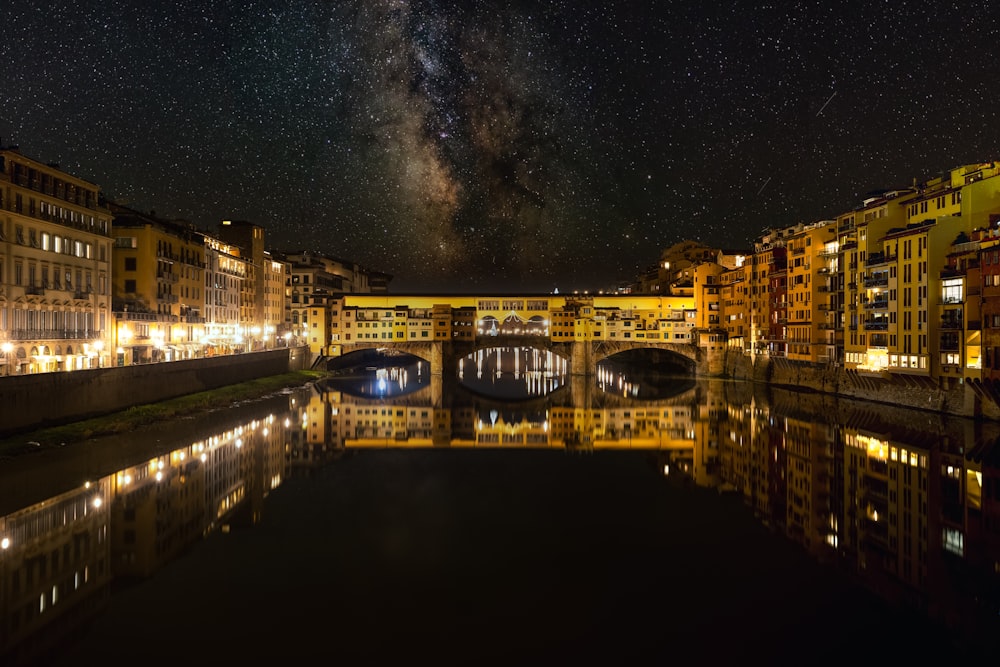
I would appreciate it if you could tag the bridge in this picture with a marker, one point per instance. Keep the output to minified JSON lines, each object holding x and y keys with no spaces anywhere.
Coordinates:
{"x":583,"y":329}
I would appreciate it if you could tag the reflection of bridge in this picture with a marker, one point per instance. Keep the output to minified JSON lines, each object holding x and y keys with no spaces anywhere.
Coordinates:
{"x":583,"y":329}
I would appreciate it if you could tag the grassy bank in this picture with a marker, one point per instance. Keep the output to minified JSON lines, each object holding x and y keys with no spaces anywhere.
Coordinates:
{"x":143,"y":415}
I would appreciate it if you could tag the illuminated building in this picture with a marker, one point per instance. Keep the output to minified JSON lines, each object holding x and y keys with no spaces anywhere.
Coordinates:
{"x":808,"y":296}
{"x":989,"y":256}
{"x":276,"y":274}
{"x":159,"y":288}
{"x":872,"y":282}
{"x":55,"y":269}
{"x":314,"y":281}
{"x":707,"y":302}
{"x":766,"y":262}
{"x":957,"y":341}
{"x":225,"y":272}
{"x":248,"y":238}
{"x":736,"y":306}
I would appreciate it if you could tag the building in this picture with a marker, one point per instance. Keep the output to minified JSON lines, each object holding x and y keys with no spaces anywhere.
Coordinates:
{"x":55,"y":269}
{"x":158,"y":283}
{"x":225,"y":297}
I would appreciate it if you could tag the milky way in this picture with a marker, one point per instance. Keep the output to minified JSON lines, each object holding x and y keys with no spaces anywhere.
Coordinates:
{"x":499,"y":145}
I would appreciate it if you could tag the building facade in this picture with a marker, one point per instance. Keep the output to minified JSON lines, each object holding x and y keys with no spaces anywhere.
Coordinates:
{"x":55,"y":269}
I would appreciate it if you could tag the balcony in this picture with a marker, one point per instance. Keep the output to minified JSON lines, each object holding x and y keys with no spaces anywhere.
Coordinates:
{"x":34,"y":290}
{"x":951,"y":324}
{"x":877,"y":259}
{"x":877,"y":304}
{"x":53,"y":334}
{"x":167,"y":277}
{"x":877,"y":325}
{"x":950,"y":300}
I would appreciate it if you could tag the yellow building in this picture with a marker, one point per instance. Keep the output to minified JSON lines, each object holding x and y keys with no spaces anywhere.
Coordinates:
{"x":159,"y":288}
{"x":225,"y":272}
{"x":248,"y":241}
{"x":736,"y":307}
{"x":870,"y":280}
{"x":55,"y":269}
{"x":707,"y":282}
{"x":273,"y":325}
{"x":810,"y":248}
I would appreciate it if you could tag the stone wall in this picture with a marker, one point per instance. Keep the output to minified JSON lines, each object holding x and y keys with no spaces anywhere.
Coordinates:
{"x":32,"y":401}
{"x":966,"y":399}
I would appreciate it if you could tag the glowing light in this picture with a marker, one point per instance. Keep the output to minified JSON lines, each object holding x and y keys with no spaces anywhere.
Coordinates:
{"x":97,"y":502}
{"x":5,"y":543}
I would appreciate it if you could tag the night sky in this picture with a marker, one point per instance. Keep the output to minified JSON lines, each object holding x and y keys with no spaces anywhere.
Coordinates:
{"x":500,"y":145}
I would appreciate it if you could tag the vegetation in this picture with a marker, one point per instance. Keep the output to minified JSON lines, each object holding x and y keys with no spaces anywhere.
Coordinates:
{"x":142,"y":415}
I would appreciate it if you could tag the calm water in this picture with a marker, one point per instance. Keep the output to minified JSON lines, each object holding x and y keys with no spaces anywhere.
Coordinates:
{"x":399,"y":516}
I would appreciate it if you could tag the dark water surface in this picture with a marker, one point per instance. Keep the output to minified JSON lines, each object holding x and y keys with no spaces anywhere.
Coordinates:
{"x":490,"y":556}
{"x":719,"y":524}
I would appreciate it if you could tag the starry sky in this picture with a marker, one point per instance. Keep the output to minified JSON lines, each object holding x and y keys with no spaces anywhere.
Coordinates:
{"x":493,"y":145}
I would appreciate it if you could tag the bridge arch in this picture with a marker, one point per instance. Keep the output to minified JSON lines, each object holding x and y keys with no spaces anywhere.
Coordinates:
{"x":686,"y":357}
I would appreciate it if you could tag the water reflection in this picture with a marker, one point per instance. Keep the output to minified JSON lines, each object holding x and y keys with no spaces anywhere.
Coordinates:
{"x":386,"y":381}
{"x":907,"y":501}
{"x":640,"y":382}
{"x":513,"y":373}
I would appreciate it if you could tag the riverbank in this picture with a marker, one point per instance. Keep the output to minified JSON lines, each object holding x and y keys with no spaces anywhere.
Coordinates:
{"x":978,"y":400}
{"x":144,"y":415}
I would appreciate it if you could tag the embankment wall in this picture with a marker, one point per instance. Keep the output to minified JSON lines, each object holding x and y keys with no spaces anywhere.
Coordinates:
{"x":956,"y":397}
{"x":33,"y":401}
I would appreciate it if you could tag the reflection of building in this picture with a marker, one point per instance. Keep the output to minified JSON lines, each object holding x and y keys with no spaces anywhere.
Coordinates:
{"x":158,"y":510}
{"x":55,"y":570}
{"x":810,"y":517}
{"x":55,"y":269}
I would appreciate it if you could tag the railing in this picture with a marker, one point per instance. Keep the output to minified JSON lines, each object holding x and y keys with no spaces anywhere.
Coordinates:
{"x":876,"y":326}
{"x":952,"y":300}
{"x":879,"y":258}
{"x":166,"y":276}
{"x":877,"y":304}
{"x":877,"y":282}
{"x":951,"y":324}
{"x":53,"y":334}
{"x":34,"y":290}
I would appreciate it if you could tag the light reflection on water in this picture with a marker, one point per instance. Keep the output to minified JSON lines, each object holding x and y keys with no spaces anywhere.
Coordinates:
{"x":868,"y":487}
{"x":513,"y":373}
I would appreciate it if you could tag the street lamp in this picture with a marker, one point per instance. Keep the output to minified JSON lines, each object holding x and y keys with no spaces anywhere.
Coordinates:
{"x":7,"y":347}
{"x":99,"y":346}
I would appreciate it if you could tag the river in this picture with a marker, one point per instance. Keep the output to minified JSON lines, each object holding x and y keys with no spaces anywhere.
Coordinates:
{"x":627,"y":518}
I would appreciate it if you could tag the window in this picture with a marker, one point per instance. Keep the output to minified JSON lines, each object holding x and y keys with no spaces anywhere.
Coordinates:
{"x":130,"y":286}
{"x":130,"y":263}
